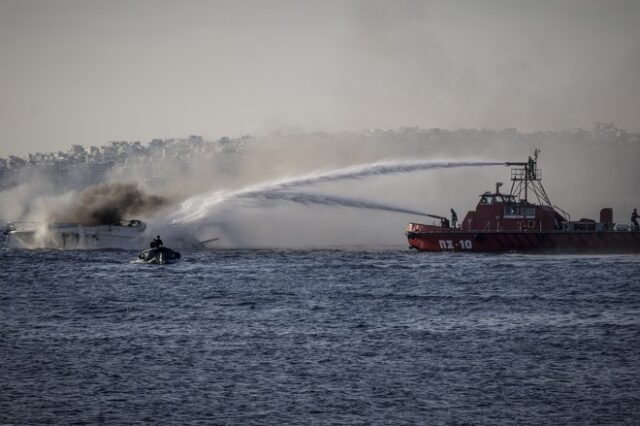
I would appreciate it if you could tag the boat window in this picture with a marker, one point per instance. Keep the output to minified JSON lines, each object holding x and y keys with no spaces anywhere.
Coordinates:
{"x":514,"y":210}
{"x":510,"y":210}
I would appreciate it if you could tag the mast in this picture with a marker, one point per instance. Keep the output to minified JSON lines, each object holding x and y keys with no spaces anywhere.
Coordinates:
{"x":527,"y":178}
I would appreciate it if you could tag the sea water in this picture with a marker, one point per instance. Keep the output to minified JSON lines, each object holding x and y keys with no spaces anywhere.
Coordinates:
{"x":319,"y":337}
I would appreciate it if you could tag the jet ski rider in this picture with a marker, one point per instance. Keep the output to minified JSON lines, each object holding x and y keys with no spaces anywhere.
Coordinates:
{"x":156,"y":243}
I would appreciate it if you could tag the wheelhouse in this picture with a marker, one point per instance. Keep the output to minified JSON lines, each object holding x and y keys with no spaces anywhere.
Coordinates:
{"x":514,"y":211}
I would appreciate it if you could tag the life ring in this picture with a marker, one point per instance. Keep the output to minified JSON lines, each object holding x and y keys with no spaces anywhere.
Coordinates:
{"x":531,"y":224}
{"x":478,"y":237}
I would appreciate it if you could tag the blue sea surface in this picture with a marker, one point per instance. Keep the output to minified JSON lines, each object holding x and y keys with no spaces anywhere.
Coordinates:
{"x":319,"y":337}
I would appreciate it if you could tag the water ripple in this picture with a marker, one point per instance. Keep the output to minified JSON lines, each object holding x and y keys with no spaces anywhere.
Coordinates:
{"x":319,"y":337}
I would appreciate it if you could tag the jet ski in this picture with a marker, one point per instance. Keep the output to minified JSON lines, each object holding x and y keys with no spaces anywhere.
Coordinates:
{"x":159,"y":255}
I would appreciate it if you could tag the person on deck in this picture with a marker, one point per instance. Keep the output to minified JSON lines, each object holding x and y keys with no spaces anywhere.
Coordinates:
{"x":454,"y":218}
{"x":634,"y":219}
{"x":531,"y":169}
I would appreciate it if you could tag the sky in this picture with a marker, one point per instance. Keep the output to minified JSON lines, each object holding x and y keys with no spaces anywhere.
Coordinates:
{"x":91,"y":71}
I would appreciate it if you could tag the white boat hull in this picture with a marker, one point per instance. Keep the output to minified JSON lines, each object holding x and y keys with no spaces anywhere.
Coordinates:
{"x":78,"y":237}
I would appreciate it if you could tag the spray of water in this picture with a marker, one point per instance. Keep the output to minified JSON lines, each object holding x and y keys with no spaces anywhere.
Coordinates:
{"x":310,"y":199}
{"x":375,"y":169}
{"x":202,"y":208}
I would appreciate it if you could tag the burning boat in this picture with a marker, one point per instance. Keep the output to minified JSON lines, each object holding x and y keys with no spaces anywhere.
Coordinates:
{"x":523,"y":220}
{"x":125,"y":234}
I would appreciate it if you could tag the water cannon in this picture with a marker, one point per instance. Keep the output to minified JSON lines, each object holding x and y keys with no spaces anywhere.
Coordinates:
{"x":531,"y":162}
{"x":434,"y":216}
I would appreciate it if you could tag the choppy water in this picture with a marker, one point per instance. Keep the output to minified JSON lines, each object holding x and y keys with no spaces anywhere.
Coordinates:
{"x":319,"y":337}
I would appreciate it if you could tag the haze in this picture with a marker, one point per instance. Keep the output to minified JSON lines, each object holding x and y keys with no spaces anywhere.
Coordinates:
{"x":86,"y":72}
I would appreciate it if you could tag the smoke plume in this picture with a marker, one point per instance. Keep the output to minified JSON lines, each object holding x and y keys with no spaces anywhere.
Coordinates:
{"x":105,"y":204}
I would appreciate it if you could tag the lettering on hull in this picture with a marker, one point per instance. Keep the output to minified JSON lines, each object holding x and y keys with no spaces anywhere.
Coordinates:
{"x":451,"y":245}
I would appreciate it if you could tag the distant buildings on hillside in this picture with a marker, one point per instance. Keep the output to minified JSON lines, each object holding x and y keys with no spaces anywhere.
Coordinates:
{"x":118,"y":157}
{"x":91,"y":165}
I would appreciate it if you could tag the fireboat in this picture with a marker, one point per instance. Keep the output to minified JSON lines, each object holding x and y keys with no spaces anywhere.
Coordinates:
{"x":523,"y":220}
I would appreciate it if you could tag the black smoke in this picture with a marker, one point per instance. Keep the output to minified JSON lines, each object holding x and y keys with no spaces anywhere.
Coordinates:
{"x":105,"y":204}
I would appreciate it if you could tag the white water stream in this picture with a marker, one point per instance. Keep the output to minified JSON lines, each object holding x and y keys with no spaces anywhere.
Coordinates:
{"x":202,"y":208}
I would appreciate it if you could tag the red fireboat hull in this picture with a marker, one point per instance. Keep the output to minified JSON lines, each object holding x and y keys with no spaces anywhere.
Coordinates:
{"x":504,"y":241}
